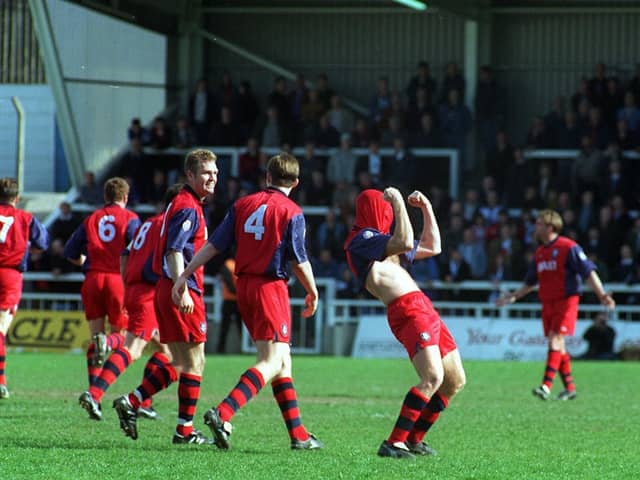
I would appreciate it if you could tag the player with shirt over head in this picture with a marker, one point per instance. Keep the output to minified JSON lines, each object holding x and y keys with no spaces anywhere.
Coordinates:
{"x":182,"y":233}
{"x":140,"y":285}
{"x":19,"y":232}
{"x":559,"y":268}
{"x":268,"y":229}
{"x":96,"y":245}
{"x":378,"y":261}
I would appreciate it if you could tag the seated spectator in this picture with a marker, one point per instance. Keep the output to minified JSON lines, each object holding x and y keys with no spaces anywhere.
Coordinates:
{"x":311,"y":110}
{"x":325,"y":92}
{"x":586,"y":214}
{"x":582,"y":116}
{"x":453,"y":80}
{"x":454,"y":232}
{"x":136,"y":130}
{"x":247,"y":110}
{"x":225,"y":132}
{"x":630,"y":113}
{"x":491,"y":209}
{"x":633,"y":237}
{"x":455,"y":123}
{"x":420,"y":106}
{"x":471,"y":204}
{"x":421,"y":81}
{"x":272,"y":131}
{"x":183,"y":136}
{"x":499,"y":159}
{"x":554,"y":120}
{"x":249,"y":166}
{"x":598,"y":84}
{"x":600,"y":338}
{"x":318,"y":191}
{"x":393,"y":131}
{"x":597,"y":129}
{"x":310,"y":162}
{"x":160,"y":134}
{"x":624,"y":138}
{"x":581,"y":95}
{"x":539,"y":136}
{"x":344,"y":196}
{"x":625,"y":270}
{"x":325,"y":135}
{"x":615,"y":182}
{"x":380,"y":103}
{"x":66,"y":223}
{"x":372,"y":163}
{"x":545,"y":180}
{"x":157,"y":189}
{"x":474,"y":254}
{"x":586,"y":168}
{"x":90,"y":191}
{"x":342,"y":163}
{"x":331,"y":234}
{"x":279,"y":99}
{"x":361,"y":135}
{"x":339,"y":117}
{"x":634,"y":84}
{"x":568,"y":134}
{"x":325,"y":265}
{"x":428,"y":135}
{"x":612,"y":102}
{"x":400,"y":169}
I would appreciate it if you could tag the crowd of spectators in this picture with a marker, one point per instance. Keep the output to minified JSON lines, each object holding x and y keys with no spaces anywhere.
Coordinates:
{"x":488,"y":232}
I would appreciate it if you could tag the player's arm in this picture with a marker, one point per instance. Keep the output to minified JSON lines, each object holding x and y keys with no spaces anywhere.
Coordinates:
{"x":402,"y":239}
{"x":304,"y":274}
{"x":73,"y":249}
{"x":38,"y":236}
{"x":596,"y":285}
{"x":530,"y":282}
{"x":430,"y":243}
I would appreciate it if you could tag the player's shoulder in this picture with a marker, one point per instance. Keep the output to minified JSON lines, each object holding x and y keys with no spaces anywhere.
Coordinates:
{"x":566,"y":242}
{"x":363,"y":236}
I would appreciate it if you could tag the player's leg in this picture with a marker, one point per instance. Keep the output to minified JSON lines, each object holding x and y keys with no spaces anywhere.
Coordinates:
{"x":549,"y":326}
{"x":159,"y":358}
{"x":6,"y":317}
{"x":566,"y":327}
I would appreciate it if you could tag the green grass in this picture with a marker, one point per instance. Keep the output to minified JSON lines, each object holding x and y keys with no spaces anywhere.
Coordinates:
{"x":495,"y":429}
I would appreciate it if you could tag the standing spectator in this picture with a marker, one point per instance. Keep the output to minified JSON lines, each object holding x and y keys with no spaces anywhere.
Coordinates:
{"x":66,"y":223}
{"x":612,"y":103}
{"x":227,"y":93}
{"x":136,"y":130}
{"x":90,"y":191}
{"x":517,"y":179}
{"x":325,"y":92}
{"x":279,"y":99}
{"x":616,"y":182}
{"x":488,"y":107}
{"x":401,"y":169}
{"x":587,"y":212}
{"x":554,"y":120}
{"x":326,"y":136}
{"x":183,"y":135}
{"x":225,"y":132}
{"x":538,"y":135}
{"x":372,"y":163}
{"x":428,"y":136}
{"x":183,"y":328}
{"x":247,"y":110}
{"x":96,"y":246}
{"x":330,"y":235}
{"x":559,"y":266}
{"x":298,"y":97}
{"x":361,"y":135}
{"x":19,"y":232}
{"x":634,"y":83}
{"x":630,"y":113}
{"x":597,"y":129}
{"x":311,"y":111}
{"x":582,"y":95}
{"x":202,"y":110}
{"x":339,"y":117}
{"x":380,"y":103}
{"x":421,"y":81}
{"x":453,"y":80}
{"x":230,"y":313}
{"x":275,"y":234}
{"x":587,"y":168}
{"x":474,"y":254}
{"x":249,"y":166}
{"x":455,"y":124}
{"x":598,"y":84}
{"x":568,"y":133}
{"x":499,"y":159}
{"x":417,"y":109}
{"x":272,"y":132}
{"x":342,"y":163}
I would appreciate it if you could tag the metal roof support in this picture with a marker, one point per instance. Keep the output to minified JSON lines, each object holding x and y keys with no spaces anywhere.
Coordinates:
{"x":64,"y":113}
{"x":263,"y":62}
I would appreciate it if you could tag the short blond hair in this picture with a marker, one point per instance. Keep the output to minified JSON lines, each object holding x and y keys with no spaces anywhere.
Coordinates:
{"x":284,"y":169}
{"x":116,"y":189}
{"x":195,"y":158}
{"x":551,"y":217}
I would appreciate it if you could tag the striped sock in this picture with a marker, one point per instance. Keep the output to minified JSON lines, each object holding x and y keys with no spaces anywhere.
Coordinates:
{"x":553,"y":363}
{"x":115,"y":340}
{"x":159,"y":374}
{"x":117,"y":363}
{"x":92,"y":370}
{"x":188,"y":394}
{"x":285,"y":394}
{"x":412,"y":406}
{"x":3,"y":359}
{"x":565,"y":373}
{"x":251,"y":382}
{"x":428,"y":417}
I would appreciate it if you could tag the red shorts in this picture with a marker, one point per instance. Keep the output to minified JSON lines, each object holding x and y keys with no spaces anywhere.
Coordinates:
{"x":559,"y":316}
{"x":416,"y":324}
{"x":10,"y":289}
{"x":103,"y":295}
{"x":264,"y":307}
{"x":138,"y":300}
{"x":175,"y":326}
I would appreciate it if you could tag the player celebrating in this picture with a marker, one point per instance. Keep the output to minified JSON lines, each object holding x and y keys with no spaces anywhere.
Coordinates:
{"x":139,"y":281}
{"x":96,"y":245}
{"x":378,"y":261}
{"x":182,"y":233}
{"x":19,"y":232}
{"x":269,"y":230}
{"x":559,"y":267}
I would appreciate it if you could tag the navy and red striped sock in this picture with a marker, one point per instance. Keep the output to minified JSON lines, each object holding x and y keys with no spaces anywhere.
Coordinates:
{"x":117,"y":363}
{"x":188,"y":394}
{"x":93,"y":371}
{"x":428,"y":417}
{"x":285,"y":394}
{"x":3,"y":359}
{"x":553,"y":363}
{"x":115,"y":340}
{"x":250,"y":383}
{"x":412,"y":406}
{"x":159,"y":374}
{"x":565,"y":372}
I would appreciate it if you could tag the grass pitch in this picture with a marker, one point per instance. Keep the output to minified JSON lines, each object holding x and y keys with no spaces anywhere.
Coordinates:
{"x":495,"y":429}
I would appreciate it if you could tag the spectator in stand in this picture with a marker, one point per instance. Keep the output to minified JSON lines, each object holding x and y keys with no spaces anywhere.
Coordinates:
{"x":613,"y":101}
{"x":311,"y":111}
{"x":397,"y":111}
{"x":66,"y":223}
{"x":344,"y":196}
{"x":456,"y":268}
{"x":136,"y":164}
{"x":428,"y":136}
{"x":421,"y":105}
{"x":586,"y":169}
{"x":471,"y":204}
{"x":455,"y":231}
{"x":249,"y":166}
{"x":279,"y":99}
{"x":310,"y":162}
{"x":488,"y":108}
{"x":160,"y":134}
{"x":453,"y":80}
{"x":597,"y":129}
{"x":582,"y":115}
{"x":554,"y":120}
{"x":538,"y":135}
{"x":499,"y":159}
{"x":518,"y":177}
{"x":545,"y":181}
{"x":331,"y":234}
{"x":393,"y":131}
{"x":616,"y":182}
{"x":581,"y":95}
{"x":325,"y":265}
{"x":568,"y":133}
{"x":630,"y":112}
{"x":609,"y":242}
{"x":225,"y":131}
{"x":227,"y":93}
{"x":455,"y":124}
{"x":586,"y":215}
{"x":634,"y":83}
{"x":491,"y":209}
{"x":298,"y":97}
{"x":633,"y":237}
{"x":342,"y":163}
{"x":90,"y":191}
{"x":474,"y":254}
{"x":183,"y":135}
{"x":625,"y":270}
{"x":157,"y":188}
{"x":624,"y":138}
{"x":136,"y":130}
{"x":380,"y":103}
{"x":202,"y":110}
{"x":400,"y":168}
{"x":272,"y":131}
{"x":247,"y":110}
{"x":372,"y":163}
{"x":598,"y":84}
{"x":325,"y":92}
{"x":339,"y":117}
{"x":361,"y":135}
{"x":421,"y":81}
{"x":318,"y":192}
{"x":326,"y":136}
{"x":600,"y":338}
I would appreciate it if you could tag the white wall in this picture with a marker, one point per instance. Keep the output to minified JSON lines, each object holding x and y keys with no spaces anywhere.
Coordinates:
{"x":93,"y":46}
{"x":37,"y":102}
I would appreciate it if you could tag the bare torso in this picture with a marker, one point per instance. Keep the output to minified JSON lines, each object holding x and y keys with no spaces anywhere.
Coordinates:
{"x":387,"y":280}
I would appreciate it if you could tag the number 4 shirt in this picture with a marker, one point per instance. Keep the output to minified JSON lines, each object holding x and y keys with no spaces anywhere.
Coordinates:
{"x":269,"y":230}
{"x":102,"y":237}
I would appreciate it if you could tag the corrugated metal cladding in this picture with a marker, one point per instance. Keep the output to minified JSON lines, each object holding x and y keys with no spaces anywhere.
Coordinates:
{"x":20,"y":60}
{"x":353,"y":49}
{"x":539,"y":57}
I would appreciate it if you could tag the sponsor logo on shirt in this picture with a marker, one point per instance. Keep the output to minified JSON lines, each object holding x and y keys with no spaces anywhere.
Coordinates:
{"x":548,"y":265}
{"x":186,"y":225}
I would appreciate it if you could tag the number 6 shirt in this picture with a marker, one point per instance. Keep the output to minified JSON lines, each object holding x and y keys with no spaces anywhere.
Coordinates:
{"x":261,"y":250}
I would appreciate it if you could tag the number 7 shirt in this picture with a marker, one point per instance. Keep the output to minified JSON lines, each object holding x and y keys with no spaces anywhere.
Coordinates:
{"x":269,"y":230}
{"x":102,"y":237}
{"x":19,"y":230}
